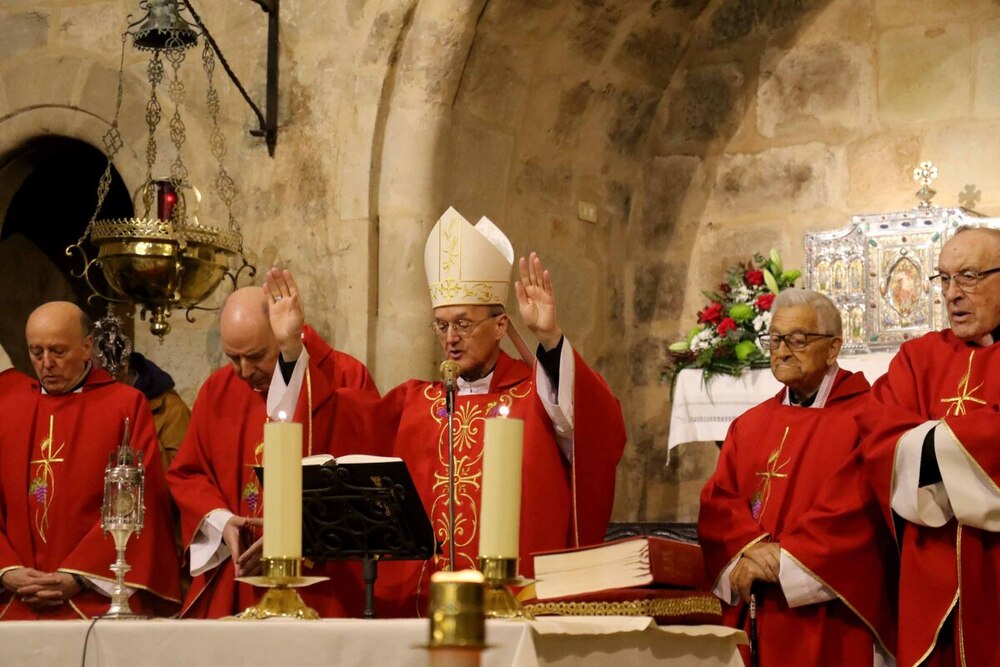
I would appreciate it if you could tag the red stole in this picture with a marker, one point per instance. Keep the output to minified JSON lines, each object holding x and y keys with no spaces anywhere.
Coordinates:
{"x":938,"y":377}
{"x":54,"y":452}
{"x":793,"y":474}
{"x":561,"y":504}
{"x":214,"y":468}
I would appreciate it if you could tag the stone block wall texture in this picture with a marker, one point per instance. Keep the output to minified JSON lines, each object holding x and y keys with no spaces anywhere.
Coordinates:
{"x":702,"y":130}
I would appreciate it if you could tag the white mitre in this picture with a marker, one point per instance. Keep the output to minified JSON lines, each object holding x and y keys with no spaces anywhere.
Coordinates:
{"x":465,"y":264}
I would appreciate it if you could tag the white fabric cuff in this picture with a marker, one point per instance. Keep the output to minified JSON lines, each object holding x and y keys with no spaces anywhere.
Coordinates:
{"x":723,"y":588}
{"x":560,"y":408}
{"x":924,"y":506}
{"x":799,"y":586}
{"x":974,"y":497}
{"x":282,"y":397}
{"x":208,"y":548}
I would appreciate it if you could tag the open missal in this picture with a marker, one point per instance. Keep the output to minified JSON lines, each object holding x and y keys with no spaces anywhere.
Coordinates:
{"x":626,"y":563}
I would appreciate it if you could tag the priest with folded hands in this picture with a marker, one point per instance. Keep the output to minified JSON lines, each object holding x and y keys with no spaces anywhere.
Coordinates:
{"x":56,"y":434}
{"x":788,"y":518}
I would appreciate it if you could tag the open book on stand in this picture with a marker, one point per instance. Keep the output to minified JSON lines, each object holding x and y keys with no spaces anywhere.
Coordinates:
{"x":359,"y":506}
{"x":627,"y":563}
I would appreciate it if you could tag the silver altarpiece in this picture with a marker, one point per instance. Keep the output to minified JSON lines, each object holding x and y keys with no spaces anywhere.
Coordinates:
{"x":876,"y":270}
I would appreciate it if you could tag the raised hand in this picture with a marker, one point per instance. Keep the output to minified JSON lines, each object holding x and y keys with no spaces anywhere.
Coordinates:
{"x":537,"y":301}
{"x":286,"y":312}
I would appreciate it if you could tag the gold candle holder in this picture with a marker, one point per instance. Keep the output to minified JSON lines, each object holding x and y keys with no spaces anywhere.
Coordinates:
{"x":499,"y":601}
{"x":281,"y":576}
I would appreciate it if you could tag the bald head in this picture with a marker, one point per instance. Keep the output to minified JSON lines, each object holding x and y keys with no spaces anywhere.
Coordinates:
{"x":247,"y":338}
{"x":60,"y":345}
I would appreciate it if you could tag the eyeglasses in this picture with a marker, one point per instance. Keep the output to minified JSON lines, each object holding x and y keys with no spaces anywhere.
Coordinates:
{"x":966,"y":280}
{"x":797,"y":340}
{"x":463,"y":328}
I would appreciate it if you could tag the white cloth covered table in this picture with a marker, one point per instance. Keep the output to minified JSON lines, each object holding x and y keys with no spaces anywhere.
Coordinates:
{"x":702,"y":412}
{"x":361,"y":643}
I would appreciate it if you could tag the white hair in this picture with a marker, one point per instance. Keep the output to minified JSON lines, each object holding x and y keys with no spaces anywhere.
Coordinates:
{"x":827,"y":316}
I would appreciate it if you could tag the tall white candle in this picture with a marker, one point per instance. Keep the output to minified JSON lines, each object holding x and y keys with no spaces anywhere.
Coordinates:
{"x":500,"y":518}
{"x":282,"y":490}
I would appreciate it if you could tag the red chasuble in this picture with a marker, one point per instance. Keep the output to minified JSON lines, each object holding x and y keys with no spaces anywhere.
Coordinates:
{"x":792,"y":475}
{"x":53,"y":452}
{"x":938,"y":377}
{"x":214,"y":468}
{"x":562,"y":504}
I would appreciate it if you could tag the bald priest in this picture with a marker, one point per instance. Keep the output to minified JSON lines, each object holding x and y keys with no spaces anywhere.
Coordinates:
{"x":573,"y":432}
{"x":55,"y":438}
{"x":212,"y":479}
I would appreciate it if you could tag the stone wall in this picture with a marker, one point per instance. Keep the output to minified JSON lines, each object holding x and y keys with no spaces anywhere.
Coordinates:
{"x":702,"y":130}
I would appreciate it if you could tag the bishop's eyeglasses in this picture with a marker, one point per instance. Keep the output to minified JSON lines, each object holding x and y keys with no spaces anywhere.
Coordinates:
{"x":463,"y":328}
{"x":797,"y":340}
{"x":967,"y":281}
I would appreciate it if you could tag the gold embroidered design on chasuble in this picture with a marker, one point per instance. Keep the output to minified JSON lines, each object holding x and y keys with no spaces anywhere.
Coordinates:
{"x":758,"y":503}
{"x":469,"y":424}
{"x":43,"y":485}
{"x":957,"y":403}
{"x":251,"y":489}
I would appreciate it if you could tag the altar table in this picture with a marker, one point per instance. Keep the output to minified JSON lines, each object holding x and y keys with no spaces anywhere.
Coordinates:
{"x":621,"y":641}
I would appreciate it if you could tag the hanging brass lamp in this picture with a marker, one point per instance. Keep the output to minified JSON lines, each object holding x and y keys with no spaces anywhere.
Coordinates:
{"x":164,"y":259}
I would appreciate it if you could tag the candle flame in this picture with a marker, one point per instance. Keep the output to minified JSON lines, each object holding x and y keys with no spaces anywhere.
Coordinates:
{"x":282,"y":416}
{"x":504,"y":411}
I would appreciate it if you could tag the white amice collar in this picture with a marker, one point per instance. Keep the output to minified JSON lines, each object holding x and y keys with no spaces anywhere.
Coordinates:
{"x":825,"y":387}
{"x":480,"y":386}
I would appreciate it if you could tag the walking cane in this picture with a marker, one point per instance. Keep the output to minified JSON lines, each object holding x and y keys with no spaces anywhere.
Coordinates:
{"x":754,"y":654}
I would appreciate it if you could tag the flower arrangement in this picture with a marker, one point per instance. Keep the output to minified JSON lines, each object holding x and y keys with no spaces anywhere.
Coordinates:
{"x":725,"y":339}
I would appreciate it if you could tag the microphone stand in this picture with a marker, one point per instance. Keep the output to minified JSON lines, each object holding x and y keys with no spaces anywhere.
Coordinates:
{"x":449,"y":371}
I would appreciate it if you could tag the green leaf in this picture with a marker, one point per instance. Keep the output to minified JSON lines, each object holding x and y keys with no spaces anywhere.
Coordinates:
{"x":771,"y":283}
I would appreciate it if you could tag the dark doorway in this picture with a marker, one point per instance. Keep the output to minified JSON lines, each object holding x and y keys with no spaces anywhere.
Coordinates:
{"x":48,"y":191}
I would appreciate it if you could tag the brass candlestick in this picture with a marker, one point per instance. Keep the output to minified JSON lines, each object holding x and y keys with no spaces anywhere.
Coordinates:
{"x":499,"y":602}
{"x":122,"y":514}
{"x":281,"y":576}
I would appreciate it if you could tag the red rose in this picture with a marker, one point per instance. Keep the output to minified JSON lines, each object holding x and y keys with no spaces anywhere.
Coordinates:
{"x":764,"y":301}
{"x":754,"y":278}
{"x":725,"y":326}
{"x":711,"y":314}
{"x":725,"y":288}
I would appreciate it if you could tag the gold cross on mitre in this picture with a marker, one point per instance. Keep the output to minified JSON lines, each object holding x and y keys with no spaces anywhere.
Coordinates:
{"x":957,"y":407}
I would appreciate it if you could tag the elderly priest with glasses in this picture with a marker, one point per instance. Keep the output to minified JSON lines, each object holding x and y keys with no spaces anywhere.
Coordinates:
{"x":932,"y":448}
{"x":788,"y":520}
{"x":573,"y":432}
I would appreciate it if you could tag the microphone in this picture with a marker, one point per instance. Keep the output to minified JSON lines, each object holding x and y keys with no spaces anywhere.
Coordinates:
{"x":450,"y":370}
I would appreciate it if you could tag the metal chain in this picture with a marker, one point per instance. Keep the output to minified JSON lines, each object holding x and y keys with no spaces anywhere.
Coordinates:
{"x":224,"y":184}
{"x":178,"y":171}
{"x":113,"y":143}
{"x":154,"y":112}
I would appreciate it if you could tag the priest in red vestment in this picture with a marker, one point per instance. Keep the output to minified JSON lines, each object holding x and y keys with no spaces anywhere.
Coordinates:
{"x":574,"y":433}
{"x":212,"y":478}
{"x":55,"y":438}
{"x":932,"y":447}
{"x":788,"y":515}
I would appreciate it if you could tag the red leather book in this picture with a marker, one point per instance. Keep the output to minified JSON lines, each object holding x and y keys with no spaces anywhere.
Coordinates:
{"x":627,"y":563}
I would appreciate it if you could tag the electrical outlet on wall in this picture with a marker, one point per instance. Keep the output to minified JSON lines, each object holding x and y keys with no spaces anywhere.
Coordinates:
{"x":587,"y":211}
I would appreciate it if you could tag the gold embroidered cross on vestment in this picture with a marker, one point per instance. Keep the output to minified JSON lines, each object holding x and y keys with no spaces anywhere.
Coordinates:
{"x":759,"y":501}
{"x":43,"y":484}
{"x":957,"y":407}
